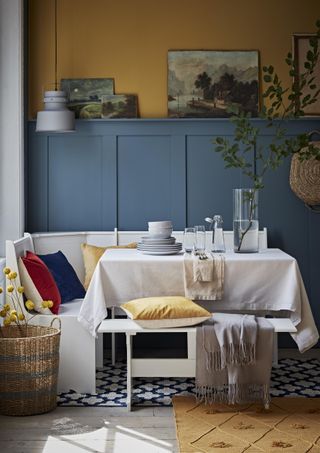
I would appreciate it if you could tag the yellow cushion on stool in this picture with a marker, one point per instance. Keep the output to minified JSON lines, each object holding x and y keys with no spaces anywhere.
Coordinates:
{"x":165,"y":312}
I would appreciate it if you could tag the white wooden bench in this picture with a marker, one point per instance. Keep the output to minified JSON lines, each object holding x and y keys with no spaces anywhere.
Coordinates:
{"x":80,"y":352}
{"x":166,"y":367}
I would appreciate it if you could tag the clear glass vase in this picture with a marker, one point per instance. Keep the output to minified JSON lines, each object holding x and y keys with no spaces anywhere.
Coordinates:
{"x":245,"y":221}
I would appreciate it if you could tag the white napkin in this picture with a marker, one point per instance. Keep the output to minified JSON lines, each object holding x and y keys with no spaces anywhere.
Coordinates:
{"x":197,"y":289}
{"x":203,"y":269}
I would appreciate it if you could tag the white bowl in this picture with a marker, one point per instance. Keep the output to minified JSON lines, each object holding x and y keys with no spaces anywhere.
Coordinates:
{"x":160,"y":231}
{"x":160,"y":224}
{"x":158,"y":228}
{"x":156,"y":232}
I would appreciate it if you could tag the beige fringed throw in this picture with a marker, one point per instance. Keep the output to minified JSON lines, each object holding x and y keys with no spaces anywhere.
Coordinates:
{"x":234,"y":359}
{"x":203,"y":279}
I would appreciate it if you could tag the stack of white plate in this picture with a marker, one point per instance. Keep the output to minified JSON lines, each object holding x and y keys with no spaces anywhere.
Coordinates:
{"x":167,"y":246}
{"x":159,"y":241}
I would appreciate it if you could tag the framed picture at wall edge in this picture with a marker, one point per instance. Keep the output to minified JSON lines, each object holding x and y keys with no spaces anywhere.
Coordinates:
{"x":204,"y":83}
{"x":301,"y":45}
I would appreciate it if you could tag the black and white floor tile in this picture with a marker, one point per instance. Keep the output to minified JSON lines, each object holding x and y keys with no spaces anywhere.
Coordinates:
{"x":292,"y":377}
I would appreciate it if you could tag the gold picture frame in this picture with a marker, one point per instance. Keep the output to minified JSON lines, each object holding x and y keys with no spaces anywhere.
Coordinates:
{"x":300,"y":47}
{"x":205,"y":83}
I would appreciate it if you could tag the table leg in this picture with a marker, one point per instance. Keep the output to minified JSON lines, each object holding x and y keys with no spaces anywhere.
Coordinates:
{"x":113,"y":341}
{"x":129,"y":377}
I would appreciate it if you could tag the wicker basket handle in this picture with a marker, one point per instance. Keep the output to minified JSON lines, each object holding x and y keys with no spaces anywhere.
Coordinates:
{"x":56,"y":319}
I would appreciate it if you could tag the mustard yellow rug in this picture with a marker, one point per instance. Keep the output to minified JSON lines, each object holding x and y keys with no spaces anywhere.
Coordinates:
{"x":290,"y":425}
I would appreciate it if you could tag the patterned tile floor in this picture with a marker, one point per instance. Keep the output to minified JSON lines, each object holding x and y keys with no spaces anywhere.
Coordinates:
{"x":292,"y":377}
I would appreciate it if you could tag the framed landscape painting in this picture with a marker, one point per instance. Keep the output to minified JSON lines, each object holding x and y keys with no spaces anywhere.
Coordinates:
{"x":119,"y":106}
{"x":204,"y":83}
{"x":301,"y":45}
{"x":84,"y":95}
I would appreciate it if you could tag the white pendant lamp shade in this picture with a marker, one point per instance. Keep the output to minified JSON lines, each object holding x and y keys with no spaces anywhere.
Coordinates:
{"x":55,"y":117}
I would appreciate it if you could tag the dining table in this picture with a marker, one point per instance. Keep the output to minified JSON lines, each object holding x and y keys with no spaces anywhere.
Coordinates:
{"x":265,"y":283}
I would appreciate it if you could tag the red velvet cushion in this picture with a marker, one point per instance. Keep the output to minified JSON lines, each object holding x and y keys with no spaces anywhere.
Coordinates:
{"x":43,"y":280}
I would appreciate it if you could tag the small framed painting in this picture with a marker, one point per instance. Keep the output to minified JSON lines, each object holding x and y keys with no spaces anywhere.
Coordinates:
{"x":119,"y":106}
{"x":301,"y":45}
{"x":204,"y":83}
{"x":84,"y":95}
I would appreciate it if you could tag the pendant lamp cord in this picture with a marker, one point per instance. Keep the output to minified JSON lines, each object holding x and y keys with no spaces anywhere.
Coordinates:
{"x":55,"y":45}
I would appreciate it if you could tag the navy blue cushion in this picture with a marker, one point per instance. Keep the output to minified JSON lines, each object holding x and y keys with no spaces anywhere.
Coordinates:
{"x":64,"y":275}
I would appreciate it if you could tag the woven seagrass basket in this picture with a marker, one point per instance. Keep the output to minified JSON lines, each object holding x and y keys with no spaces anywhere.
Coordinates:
{"x":29,"y":364}
{"x":305,"y":179}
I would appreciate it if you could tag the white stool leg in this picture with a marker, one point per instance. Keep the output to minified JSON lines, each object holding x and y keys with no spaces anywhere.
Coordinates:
{"x":275,"y":349}
{"x":113,"y":341}
{"x":99,"y":351}
{"x":129,"y":370}
{"x":191,"y":338}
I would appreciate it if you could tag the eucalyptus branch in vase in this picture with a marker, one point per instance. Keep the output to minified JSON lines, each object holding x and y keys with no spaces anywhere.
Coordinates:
{"x":280,"y":105}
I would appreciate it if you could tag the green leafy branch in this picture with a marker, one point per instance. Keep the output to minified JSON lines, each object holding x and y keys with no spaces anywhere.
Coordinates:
{"x":280,"y":105}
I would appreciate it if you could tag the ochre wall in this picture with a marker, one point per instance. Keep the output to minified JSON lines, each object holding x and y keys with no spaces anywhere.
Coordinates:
{"x":129,"y":39}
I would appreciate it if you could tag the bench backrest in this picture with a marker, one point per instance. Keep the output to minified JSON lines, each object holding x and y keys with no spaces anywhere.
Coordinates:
{"x":16,"y":249}
{"x":70,"y":245}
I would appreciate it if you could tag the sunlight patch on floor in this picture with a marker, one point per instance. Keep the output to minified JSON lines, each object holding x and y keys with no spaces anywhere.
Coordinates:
{"x":138,"y":442}
{"x":94,"y":441}
{"x":118,"y":439}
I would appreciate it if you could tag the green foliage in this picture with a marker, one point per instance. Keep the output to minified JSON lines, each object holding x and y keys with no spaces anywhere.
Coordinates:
{"x":280,"y":104}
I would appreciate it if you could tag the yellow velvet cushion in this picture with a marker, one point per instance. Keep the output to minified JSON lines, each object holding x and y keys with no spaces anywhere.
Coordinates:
{"x":91,"y":255}
{"x":164,"y":312}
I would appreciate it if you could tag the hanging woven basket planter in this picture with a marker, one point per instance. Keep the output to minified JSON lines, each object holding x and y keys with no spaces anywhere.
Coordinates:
{"x":305,"y":179}
{"x":29,"y":363}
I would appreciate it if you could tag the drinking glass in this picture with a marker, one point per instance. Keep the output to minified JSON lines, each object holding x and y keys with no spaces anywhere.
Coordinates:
{"x":200,"y":238}
{"x":189,"y":240}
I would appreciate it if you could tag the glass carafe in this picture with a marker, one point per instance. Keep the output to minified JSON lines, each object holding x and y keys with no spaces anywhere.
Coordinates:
{"x":217,"y":235}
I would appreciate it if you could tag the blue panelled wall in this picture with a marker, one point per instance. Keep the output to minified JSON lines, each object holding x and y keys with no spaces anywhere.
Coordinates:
{"x":123,"y":173}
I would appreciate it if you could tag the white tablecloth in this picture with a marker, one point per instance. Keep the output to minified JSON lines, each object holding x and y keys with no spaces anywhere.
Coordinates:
{"x":260,"y":282}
